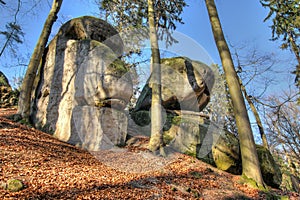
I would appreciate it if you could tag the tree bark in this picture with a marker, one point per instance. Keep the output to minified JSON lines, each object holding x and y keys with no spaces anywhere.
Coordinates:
{"x":27,"y":84}
{"x":250,"y":162}
{"x":295,"y":49}
{"x":156,"y":140}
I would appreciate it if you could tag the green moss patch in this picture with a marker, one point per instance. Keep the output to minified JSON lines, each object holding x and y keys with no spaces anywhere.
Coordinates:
{"x":14,"y":185}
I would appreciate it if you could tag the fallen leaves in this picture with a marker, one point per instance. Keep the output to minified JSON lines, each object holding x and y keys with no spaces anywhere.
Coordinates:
{"x":51,"y":169}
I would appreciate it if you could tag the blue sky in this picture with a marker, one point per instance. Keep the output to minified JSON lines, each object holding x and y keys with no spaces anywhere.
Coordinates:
{"x":242,"y":21}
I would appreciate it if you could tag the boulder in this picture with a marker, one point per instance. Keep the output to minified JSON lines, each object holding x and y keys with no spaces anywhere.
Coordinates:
{"x":269,"y":168}
{"x":186,"y":85}
{"x":184,"y":132}
{"x":226,"y":153}
{"x":14,"y":185}
{"x":77,"y":71}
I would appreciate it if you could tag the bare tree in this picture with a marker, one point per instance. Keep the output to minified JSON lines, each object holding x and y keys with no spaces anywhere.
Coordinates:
{"x":282,"y":119}
{"x":254,"y":71}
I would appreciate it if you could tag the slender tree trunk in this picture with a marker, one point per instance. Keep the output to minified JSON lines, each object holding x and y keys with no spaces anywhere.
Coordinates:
{"x":295,"y":49}
{"x":250,"y":162}
{"x":6,"y":42}
{"x":156,"y":140}
{"x":27,"y":84}
{"x":257,"y":117}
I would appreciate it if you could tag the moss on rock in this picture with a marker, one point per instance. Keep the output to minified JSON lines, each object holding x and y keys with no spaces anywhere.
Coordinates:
{"x":226,"y":153}
{"x":270,"y":170}
{"x":14,"y":185}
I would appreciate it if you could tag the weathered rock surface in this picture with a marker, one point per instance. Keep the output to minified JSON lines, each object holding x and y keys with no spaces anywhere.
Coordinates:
{"x":226,"y":153}
{"x":185,"y":133}
{"x":78,"y":71}
{"x":269,"y":168}
{"x":14,"y":185}
{"x":91,"y":28}
{"x":98,"y":128}
{"x":186,"y":85}
{"x":227,"y":157}
{"x":8,"y":96}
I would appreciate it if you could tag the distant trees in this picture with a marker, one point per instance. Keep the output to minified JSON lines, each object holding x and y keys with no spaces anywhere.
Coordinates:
{"x":282,"y":114}
{"x":283,"y":126}
{"x":250,"y":163}
{"x":286,"y":25}
{"x":13,"y":33}
{"x":27,"y":84}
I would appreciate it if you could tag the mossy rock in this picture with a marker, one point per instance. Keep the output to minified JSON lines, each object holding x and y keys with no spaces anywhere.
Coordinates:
{"x":226,"y":153}
{"x":183,"y":133}
{"x":141,"y":118}
{"x":252,"y":183}
{"x":269,"y":168}
{"x":14,"y":185}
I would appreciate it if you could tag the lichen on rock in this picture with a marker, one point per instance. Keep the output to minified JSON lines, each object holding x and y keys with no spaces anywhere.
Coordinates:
{"x":14,"y":185}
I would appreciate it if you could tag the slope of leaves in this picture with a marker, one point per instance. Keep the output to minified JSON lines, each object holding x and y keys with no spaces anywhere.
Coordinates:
{"x":51,"y":169}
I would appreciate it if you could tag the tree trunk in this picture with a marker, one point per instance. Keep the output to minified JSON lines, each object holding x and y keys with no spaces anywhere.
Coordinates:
{"x":6,"y":42}
{"x":257,"y":117}
{"x":156,"y":140}
{"x":27,"y":84}
{"x":250,"y":162}
{"x":295,"y":49}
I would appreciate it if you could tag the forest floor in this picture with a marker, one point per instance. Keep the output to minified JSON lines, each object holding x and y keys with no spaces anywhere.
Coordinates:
{"x":51,"y":169}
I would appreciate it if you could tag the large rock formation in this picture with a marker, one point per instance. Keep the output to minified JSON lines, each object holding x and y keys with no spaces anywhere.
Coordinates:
{"x":8,"y":96}
{"x":82,"y":86}
{"x":186,"y":85}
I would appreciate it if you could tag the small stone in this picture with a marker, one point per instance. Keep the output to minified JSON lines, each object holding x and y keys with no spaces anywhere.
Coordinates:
{"x":14,"y":185}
